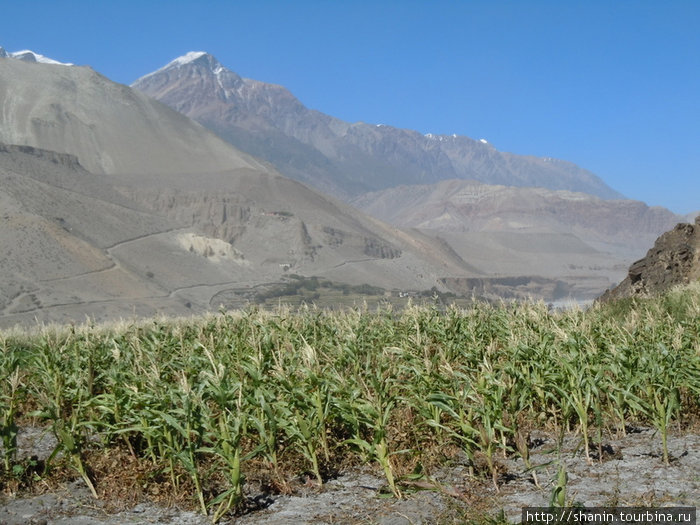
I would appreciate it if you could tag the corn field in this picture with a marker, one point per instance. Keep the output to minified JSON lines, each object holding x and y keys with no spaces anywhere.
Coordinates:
{"x":207,"y":402}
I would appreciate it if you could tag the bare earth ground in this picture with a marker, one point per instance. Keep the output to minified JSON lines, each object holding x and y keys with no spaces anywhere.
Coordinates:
{"x":632,"y":473}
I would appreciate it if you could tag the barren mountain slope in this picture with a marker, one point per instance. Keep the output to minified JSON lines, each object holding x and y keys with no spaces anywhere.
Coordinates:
{"x":335,"y":156}
{"x":73,"y":245}
{"x":57,"y":226}
{"x":277,"y":225}
{"x":582,"y":241}
{"x":468,"y":206}
{"x":109,"y":127}
{"x":176,"y":234}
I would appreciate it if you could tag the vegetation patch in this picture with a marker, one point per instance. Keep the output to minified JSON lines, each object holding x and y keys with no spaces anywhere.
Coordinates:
{"x":203,"y":406}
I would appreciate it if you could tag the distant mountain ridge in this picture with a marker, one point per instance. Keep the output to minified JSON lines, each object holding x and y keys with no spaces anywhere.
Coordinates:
{"x":461,"y":206}
{"x":338,"y":157}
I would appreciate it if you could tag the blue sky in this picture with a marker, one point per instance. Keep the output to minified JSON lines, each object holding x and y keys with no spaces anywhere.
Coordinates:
{"x":613,"y":85}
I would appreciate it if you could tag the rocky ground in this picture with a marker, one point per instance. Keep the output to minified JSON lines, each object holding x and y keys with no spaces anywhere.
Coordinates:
{"x":631,"y":473}
{"x":674,"y":260}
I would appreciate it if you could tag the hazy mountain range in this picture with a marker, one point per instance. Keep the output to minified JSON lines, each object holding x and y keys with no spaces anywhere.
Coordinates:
{"x":338,"y":157}
{"x":470,"y":206}
{"x":114,"y":204}
{"x":447,"y":185}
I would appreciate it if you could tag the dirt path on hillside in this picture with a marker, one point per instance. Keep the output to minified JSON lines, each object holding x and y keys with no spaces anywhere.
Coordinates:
{"x":28,"y":302}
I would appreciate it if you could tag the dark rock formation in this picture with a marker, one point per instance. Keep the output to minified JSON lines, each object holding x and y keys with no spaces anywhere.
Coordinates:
{"x":674,"y":260}
{"x":64,"y":159}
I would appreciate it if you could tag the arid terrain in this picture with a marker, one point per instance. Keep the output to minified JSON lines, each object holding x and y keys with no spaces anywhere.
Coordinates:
{"x":631,"y":473}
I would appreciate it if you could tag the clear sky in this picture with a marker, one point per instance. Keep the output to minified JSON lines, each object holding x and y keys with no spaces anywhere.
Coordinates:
{"x":612,"y":85}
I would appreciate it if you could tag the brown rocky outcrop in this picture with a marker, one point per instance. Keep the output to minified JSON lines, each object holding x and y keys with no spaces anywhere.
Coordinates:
{"x":674,"y":260}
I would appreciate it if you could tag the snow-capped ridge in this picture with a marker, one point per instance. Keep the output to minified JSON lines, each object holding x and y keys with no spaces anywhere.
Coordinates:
{"x":186,"y":58}
{"x":27,"y":55}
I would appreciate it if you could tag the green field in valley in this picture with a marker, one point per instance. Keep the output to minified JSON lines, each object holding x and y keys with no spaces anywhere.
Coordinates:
{"x":201,"y":404}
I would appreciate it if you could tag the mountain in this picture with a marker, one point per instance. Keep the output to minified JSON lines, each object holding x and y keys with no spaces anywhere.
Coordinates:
{"x":471,"y":206}
{"x":109,"y":127}
{"x":77,"y":244}
{"x":674,"y":260}
{"x":508,"y":215}
{"x":574,"y":238}
{"x":338,"y":157}
{"x":115,"y":205}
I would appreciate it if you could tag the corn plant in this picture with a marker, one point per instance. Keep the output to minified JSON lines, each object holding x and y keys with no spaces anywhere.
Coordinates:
{"x":184,"y":426}
{"x":11,"y":392}
{"x":71,"y":441}
{"x":301,"y":429}
{"x":265,"y":418}
{"x":578,"y":393}
{"x":558,"y":495}
{"x":231,"y":429}
{"x":662,"y":401}
{"x":521,"y":438}
{"x":9,"y":398}
{"x":460,"y":408}
{"x":224,"y":424}
{"x":378,"y":448}
{"x":371,"y":414}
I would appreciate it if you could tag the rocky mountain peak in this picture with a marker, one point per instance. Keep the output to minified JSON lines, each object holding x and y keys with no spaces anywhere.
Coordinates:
{"x":338,"y":157}
{"x":197,"y":85}
{"x":191,"y":64}
{"x":197,"y":58}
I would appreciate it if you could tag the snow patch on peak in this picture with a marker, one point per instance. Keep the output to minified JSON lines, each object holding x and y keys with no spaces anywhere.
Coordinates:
{"x":483,"y":141}
{"x":187,"y":58}
{"x":27,"y":55}
{"x":181,"y":61}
